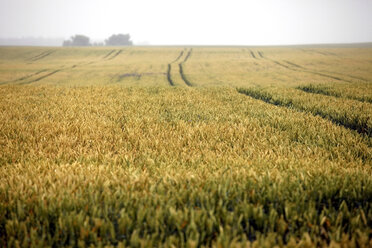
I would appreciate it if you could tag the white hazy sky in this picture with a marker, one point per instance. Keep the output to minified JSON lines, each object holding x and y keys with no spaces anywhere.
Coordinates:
{"x":203,"y":22}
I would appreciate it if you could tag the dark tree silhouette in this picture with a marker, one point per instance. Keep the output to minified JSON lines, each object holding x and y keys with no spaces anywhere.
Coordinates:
{"x":67,"y":43}
{"x":98,"y":44}
{"x":119,"y":40}
{"x":77,"y":40}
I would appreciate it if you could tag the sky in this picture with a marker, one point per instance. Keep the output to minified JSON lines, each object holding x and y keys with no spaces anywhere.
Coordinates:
{"x":192,"y":22}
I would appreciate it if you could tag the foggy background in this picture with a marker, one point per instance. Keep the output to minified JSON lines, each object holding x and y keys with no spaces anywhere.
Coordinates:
{"x":187,"y":22}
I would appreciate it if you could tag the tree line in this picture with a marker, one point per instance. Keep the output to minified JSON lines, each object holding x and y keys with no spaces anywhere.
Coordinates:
{"x":113,"y":40}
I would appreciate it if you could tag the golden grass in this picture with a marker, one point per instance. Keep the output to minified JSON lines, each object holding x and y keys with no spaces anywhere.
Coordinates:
{"x":108,"y":153}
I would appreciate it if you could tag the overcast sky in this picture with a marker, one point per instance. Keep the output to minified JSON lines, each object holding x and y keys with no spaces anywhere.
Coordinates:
{"x":198,"y":22}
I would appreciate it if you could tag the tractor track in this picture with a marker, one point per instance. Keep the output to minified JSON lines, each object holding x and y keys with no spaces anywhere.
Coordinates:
{"x":182,"y":71}
{"x":312,"y":51}
{"x":120,"y":77}
{"x":324,"y":71}
{"x":107,"y":55}
{"x":42,"y":77}
{"x":269,"y":99}
{"x":47,"y":53}
{"x":298,"y":68}
{"x":41,"y":56}
{"x":293,"y":64}
{"x":252,"y":54}
{"x":169,"y":77}
{"x":47,"y":75}
{"x":179,"y":56}
{"x":169,"y":69}
{"x":187,"y":55}
{"x":25,"y":77}
{"x":323,"y":53}
{"x":183,"y":76}
{"x":115,"y":55}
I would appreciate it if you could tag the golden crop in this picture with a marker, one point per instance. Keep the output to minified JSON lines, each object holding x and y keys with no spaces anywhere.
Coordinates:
{"x":97,"y":148}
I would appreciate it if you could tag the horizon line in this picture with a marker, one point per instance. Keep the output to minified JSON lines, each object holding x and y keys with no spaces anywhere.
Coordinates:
{"x":368,"y":43}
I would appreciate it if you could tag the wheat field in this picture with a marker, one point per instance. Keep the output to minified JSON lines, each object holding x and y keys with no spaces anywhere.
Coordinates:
{"x":186,"y":147}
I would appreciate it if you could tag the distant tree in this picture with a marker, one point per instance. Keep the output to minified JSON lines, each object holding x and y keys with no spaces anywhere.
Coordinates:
{"x":98,"y":44}
{"x":77,"y":40}
{"x":119,"y":40}
{"x":67,"y":43}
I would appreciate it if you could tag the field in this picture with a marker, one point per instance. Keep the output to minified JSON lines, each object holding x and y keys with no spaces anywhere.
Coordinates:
{"x":186,"y":146}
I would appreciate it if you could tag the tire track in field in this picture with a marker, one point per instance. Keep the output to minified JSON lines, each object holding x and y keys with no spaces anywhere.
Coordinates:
{"x":181,"y":69}
{"x":269,"y":98}
{"x":115,"y":54}
{"x":72,"y":67}
{"x":42,"y":55}
{"x":169,"y":69}
{"x":107,"y":55}
{"x":310,"y":51}
{"x":56,"y":71}
{"x":322,"y":52}
{"x":24,"y":77}
{"x":260,"y":54}
{"x":325,"y":92}
{"x":297,"y":68}
{"x":345,"y":75}
{"x":293,"y":64}
{"x":135,"y":75}
{"x":351,"y":76}
{"x":39,"y":55}
{"x":47,"y":53}
{"x":324,"y":74}
{"x":42,"y":77}
{"x":179,"y":56}
{"x":49,"y":74}
{"x":169,"y":77}
{"x":252,"y":54}
{"x":27,"y":76}
{"x":35,"y":74}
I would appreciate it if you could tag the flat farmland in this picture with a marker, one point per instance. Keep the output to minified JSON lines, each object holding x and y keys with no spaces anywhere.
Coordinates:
{"x":186,"y":146}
